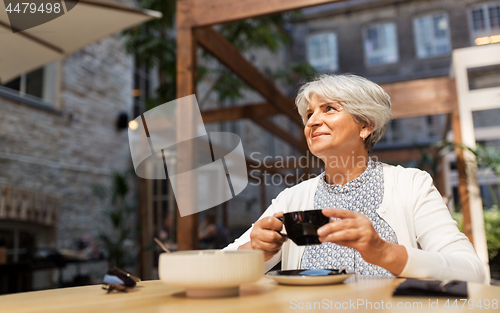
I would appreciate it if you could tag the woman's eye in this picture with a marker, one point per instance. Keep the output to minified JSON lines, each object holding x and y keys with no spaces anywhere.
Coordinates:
{"x":329,"y":108}
{"x":308,"y":115}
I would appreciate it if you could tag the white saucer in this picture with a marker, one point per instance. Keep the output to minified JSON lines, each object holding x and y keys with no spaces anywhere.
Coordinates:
{"x":306,"y":280}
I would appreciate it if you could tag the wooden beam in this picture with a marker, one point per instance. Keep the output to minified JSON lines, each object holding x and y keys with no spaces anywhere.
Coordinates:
{"x":187,"y":226}
{"x":257,"y":113}
{"x":232,"y":113}
{"x":399,"y":156}
{"x":271,"y":127}
{"x":409,"y":99}
{"x":228,"y":55}
{"x":422,"y":97}
{"x":203,"y":12}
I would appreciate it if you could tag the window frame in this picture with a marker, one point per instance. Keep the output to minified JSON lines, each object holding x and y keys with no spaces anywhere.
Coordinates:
{"x":326,"y":64}
{"x":484,"y":6}
{"x":50,"y":89}
{"x":416,"y":31}
{"x":384,"y":51}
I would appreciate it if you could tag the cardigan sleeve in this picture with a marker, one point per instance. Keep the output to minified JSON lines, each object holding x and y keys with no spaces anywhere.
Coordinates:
{"x":246,"y":235}
{"x":445,"y":253}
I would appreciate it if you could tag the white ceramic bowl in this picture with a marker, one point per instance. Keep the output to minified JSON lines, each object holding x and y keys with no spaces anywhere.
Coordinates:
{"x":211,"y":273}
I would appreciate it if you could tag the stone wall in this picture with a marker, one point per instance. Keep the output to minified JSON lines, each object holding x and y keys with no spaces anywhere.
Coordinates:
{"x":67,"y":152}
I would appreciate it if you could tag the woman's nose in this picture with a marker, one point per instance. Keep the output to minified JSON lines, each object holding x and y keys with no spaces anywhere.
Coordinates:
{"x":314,"y":120}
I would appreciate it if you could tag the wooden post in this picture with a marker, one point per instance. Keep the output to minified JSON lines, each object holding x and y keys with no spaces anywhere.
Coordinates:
{"x":463,"y":190}
{"x":146,"y":237}
{"x":187,"y":226}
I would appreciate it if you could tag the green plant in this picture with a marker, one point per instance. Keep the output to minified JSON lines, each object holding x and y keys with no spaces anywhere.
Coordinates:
{"x":488,"y":157}
{"x":119,"y":215}
{"x":491,"y":228}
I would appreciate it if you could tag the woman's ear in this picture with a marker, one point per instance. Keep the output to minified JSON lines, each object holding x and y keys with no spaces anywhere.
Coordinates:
{"x":366,"y":130}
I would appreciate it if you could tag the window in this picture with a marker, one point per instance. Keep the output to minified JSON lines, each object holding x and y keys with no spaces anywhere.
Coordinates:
{"x":322,"y":52}
{"x":432,"y":35}
{"x":381,"y":45}
{"x":38,"y":85}
{"x":392,"y":132}
{"x":484,"y":23}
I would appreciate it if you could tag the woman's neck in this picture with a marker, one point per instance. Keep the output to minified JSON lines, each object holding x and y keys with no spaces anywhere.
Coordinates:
{"x":339,"y":170}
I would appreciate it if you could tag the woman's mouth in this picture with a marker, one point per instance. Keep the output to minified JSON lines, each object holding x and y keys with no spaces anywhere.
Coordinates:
{"x":318,"y":135}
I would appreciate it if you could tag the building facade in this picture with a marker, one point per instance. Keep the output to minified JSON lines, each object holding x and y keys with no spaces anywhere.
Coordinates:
{"x":400,"y":40}
{"x":59,"y":138}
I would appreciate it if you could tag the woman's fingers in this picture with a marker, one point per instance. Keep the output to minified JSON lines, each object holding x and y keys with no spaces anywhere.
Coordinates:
{"x":279,"y":214}
{"x":347,"y":235}
{"x":353,"y":230}
{"x":266,"y":246}
{"x":337,"y":226}
{"x":338,"y":213}
{"x":265,"y":235}
{"x":271,"y":222}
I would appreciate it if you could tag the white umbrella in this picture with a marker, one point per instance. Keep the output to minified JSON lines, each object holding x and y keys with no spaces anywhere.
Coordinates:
{"x":82,"y":24}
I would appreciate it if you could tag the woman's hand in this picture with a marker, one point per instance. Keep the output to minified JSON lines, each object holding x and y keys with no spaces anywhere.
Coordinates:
{"x":265,"y":237}
{"x":355,"y":230}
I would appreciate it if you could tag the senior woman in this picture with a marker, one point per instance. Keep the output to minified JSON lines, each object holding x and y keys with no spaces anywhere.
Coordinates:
{"x":388,"y":220}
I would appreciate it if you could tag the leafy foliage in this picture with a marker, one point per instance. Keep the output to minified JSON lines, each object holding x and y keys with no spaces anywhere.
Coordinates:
{"x":429,"y":160}
{"x":119,"y":215}
{"x":491,"y":228}
{"x":295,"y":72}
{"x":488,"y":157}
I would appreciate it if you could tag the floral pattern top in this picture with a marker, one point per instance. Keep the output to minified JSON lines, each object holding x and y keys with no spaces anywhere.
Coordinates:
{"x":363,"y":195}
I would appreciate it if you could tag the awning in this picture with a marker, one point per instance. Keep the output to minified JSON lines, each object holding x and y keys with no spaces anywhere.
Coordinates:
{"x":82,"y":24}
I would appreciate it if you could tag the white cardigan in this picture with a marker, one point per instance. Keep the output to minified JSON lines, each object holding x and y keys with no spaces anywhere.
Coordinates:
{"x":414,"y":209}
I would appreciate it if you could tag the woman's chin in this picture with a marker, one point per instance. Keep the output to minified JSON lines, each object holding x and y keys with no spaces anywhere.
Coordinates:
{"x":317,"y":154}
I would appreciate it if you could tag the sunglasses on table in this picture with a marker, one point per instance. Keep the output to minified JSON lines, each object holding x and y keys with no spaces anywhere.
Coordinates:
{"x":119,"y":280}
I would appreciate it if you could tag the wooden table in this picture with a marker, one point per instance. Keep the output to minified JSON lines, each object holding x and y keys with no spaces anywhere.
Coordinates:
{"x":357,"y":293}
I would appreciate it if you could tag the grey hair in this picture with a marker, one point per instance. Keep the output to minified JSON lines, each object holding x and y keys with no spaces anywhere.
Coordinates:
{"x":366,"y":101}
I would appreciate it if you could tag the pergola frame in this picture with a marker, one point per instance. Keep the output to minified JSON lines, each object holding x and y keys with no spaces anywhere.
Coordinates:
{"x":195,"y":19}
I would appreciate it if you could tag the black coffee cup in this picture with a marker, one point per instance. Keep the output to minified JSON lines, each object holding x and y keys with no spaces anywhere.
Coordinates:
{"x":302,"y":226}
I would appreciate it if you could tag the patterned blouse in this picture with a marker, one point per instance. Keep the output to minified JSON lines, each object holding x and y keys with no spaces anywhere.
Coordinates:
{"x":363,"y":195}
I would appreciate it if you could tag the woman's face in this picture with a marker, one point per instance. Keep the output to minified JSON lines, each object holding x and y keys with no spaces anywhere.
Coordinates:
{"x":331,"y":130}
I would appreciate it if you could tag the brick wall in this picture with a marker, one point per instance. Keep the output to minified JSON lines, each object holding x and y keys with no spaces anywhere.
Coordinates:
{"x":65,"y":153}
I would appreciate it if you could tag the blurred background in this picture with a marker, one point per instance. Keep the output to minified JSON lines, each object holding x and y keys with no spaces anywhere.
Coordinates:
{"x":71,"y":205}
